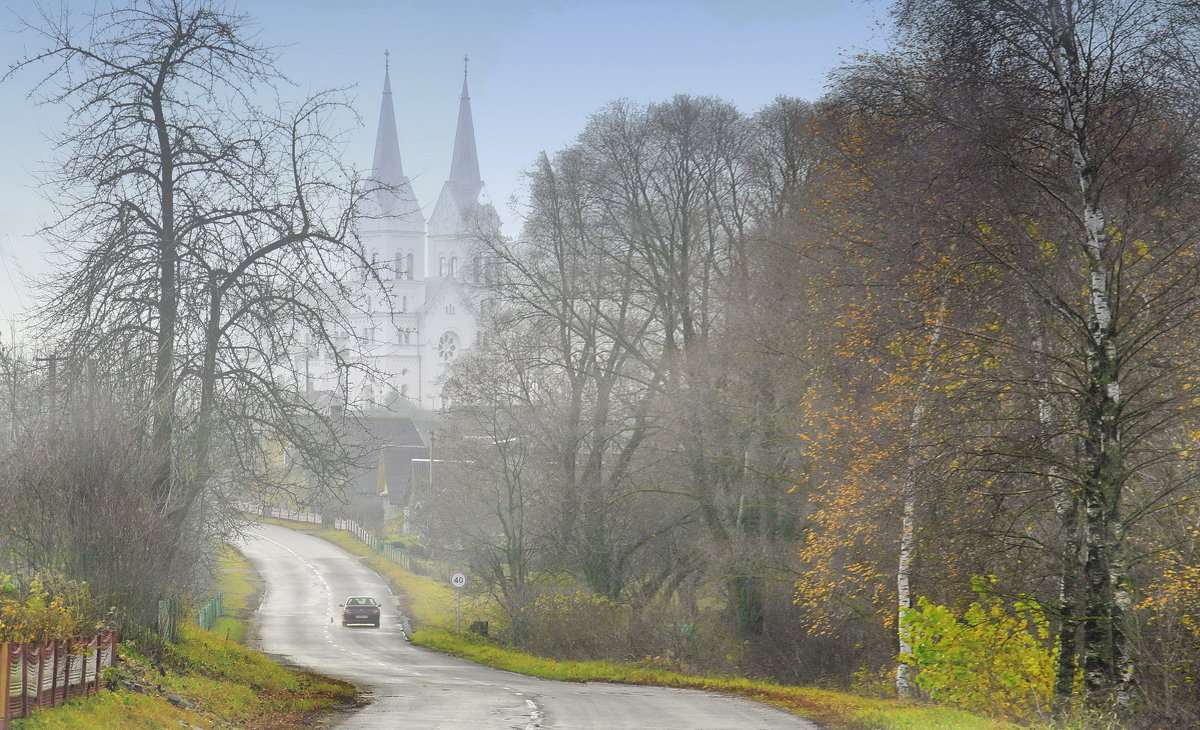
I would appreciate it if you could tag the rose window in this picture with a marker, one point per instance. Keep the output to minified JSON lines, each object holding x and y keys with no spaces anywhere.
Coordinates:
{"x":447,"y":346}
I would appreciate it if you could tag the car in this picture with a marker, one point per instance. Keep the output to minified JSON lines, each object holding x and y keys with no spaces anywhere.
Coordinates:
{"x":360,"y":610}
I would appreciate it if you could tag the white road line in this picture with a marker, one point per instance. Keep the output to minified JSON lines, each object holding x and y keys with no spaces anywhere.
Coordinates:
{"x":328,"y":604}
{"x":535,"y":715}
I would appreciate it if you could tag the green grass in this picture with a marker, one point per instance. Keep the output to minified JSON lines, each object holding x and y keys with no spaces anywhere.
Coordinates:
{"x":246,"y":688}
{"x":113,"y":710}
{"x":429,"y":605}
{"x":830,"y":709}
{"x":427,"y":602}
{"x":230,"y":685}
{"x":241,"y":589}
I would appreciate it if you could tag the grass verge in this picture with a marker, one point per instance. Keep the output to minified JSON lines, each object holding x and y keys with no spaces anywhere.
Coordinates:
{"x":208,"y":680}
{"x":429,"y":605}
{"x":241,"y":590}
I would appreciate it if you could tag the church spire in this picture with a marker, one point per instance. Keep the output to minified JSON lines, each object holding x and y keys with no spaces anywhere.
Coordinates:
{"x":464,"y":165}
{"x":395,"y":199}
{"x":388,"y":168}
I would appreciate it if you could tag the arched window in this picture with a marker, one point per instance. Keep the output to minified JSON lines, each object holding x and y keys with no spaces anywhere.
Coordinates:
{"x":442,"y":266}
{"x":408,"y":267}
{"x":453,"y":265}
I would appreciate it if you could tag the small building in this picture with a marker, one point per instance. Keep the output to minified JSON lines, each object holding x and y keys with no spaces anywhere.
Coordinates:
{"x":392,"y":473}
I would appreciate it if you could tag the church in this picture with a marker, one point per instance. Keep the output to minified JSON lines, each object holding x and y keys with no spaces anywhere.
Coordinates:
{"x":408,"y":339}
{"x":408,"y":336}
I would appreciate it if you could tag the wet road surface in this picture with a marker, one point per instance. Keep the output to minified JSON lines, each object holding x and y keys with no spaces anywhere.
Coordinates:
{"x":299,"y":621}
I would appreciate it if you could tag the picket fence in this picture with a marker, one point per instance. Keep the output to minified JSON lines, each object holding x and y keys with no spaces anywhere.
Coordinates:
{"x":45,"y":675}
{"x":377,"y":544}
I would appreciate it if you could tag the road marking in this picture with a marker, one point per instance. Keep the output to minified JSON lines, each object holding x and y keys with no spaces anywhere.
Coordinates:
{"x":329,"y":609}
{"x":535,"y":715}
{"x":311,"y":567}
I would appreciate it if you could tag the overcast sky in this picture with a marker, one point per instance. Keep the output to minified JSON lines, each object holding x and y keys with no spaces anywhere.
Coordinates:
{"x":538,"y":69}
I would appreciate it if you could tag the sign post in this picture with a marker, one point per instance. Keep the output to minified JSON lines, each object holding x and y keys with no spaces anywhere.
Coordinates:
{"x":459,"y":581}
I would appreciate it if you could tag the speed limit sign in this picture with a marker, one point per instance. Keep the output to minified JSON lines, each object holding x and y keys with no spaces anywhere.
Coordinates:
{"x":458,"y":580}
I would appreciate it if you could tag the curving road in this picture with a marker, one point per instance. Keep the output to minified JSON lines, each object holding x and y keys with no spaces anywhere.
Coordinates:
{"x":306,"y":578}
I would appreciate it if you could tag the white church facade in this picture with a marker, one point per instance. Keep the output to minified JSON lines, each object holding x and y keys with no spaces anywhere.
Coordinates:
{"x":408,"y":338}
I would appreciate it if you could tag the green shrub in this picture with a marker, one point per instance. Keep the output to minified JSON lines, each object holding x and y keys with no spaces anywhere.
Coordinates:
{"x":993,"y":659}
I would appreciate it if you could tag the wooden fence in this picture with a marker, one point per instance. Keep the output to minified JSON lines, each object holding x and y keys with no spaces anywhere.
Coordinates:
{"x":45,"y":675}
{"x":168,"y":619}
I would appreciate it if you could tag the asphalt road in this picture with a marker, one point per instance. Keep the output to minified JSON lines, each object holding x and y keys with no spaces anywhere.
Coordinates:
{"x":306,"y":578}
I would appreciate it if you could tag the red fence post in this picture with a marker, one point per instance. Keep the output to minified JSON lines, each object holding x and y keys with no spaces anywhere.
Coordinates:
{"x":24,"y":679}
{"x":99,"y":662}
{"x":67,"y":674}
{"x":5,"y":677}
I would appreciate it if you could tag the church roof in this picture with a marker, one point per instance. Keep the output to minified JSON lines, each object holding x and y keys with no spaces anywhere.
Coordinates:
{"x":395,"y":199}
{"x":442,"y":289}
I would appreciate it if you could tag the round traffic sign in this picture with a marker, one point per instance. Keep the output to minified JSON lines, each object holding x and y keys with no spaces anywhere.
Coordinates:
{"x":458,"y":580}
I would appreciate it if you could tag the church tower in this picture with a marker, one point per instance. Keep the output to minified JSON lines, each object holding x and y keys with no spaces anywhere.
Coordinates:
{"x":393,"y":234}
{"x":411,"y":333}
{"x":458,"y":207}
{"x":460,"y":217}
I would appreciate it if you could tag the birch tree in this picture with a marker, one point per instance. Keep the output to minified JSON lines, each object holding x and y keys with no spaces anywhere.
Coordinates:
{"x":1072,"y":188}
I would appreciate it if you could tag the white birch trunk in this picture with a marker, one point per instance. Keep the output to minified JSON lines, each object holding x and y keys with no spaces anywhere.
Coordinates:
{"x":905,"y":686}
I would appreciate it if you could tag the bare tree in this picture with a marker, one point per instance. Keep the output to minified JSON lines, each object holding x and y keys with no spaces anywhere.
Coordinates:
{"x":203,"y":239}
{"x":624,"y":281}
{"x":486,"y":508}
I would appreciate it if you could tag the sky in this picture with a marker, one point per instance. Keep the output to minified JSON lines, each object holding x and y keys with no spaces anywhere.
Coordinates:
{"x":538,"y":69}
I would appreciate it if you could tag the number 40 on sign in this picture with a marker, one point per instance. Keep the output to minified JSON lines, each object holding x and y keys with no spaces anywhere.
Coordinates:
{"x":458,"y":580}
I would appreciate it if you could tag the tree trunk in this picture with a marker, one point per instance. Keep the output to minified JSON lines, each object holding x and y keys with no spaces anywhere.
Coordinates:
{"x":163,"y":391}
{"x":1105,"y":665}
{"x":1104,"y":662}
{"x":905,"y":686}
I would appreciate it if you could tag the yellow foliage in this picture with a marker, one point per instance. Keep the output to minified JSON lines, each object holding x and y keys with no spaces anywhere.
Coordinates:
{"x":1176,"y":595}
{"x":39,"y":616}
{"x":993,"y":659}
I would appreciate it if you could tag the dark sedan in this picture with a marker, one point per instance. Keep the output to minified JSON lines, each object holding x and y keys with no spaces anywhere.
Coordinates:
{"x":360,"y":610}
